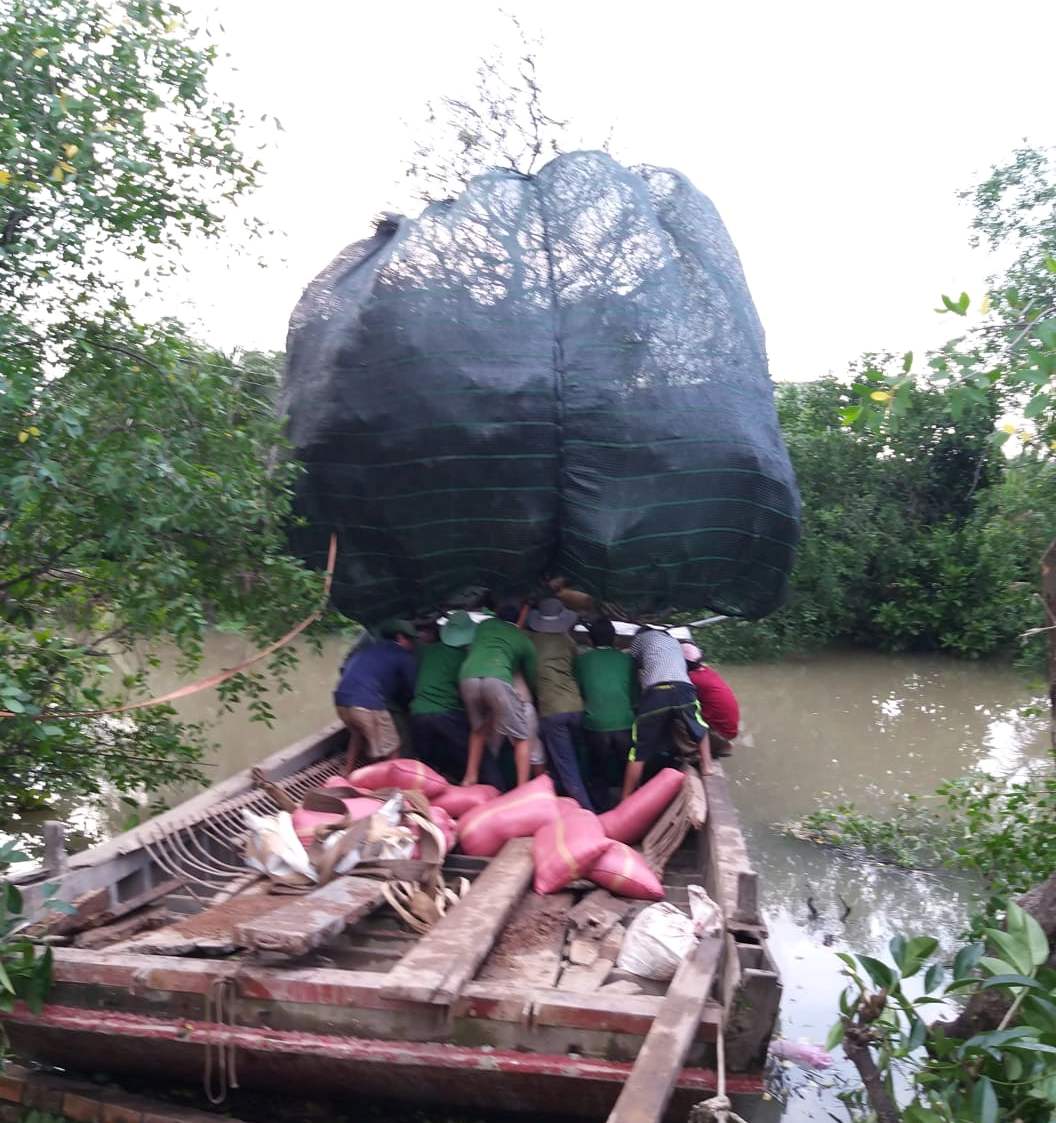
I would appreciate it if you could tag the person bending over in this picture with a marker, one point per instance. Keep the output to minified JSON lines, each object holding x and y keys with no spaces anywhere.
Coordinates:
{"x":498,"y":651}
{"x":438,"y":718}
{"x":609,"y":686}
{"x":668,"y":705}
{"x":376,"y":676}
{"x":557,"y":694}
{"x":718,"y":703}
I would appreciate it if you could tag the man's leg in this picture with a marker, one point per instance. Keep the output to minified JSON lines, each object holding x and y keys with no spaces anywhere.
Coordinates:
{"x":522,"y":760}
{"x":557,"y":732}
{"x":631,"y":776}
{"x":477,"y":715}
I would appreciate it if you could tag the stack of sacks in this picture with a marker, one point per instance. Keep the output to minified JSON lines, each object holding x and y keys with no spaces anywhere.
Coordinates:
{"x":581,"y":844}
{"x":517,"y":814}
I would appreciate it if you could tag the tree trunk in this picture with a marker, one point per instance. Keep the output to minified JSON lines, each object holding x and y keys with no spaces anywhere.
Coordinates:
{"x":859,"y":1053}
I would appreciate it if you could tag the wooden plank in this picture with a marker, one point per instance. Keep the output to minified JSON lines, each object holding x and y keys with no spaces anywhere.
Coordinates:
{"x":529,"y":949}
{"x":737,"y":884}
{"x":597,"y":913}
{"x":447,"y":956}
{"x":649,"y":1087}
{"x":308,"y":922}
{"x":587,"y":977}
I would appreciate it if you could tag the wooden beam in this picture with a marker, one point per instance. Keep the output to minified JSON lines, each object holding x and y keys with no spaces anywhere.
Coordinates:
{"x":309,"y":922}
{"x":447,"y":957}
{"x":736,"y":883}
{"x":649,"y":1087}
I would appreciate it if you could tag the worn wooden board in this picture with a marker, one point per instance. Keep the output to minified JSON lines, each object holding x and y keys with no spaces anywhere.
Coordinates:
{"x":447,"y":957}
{"x":210,"y":932}
{"x":737,"y":884}
{"x":597,"y":913}
{"x":645,"y":1095}
{"x":587,"y":977}
{"x":529,"y":949}
{"x":304,"y":923}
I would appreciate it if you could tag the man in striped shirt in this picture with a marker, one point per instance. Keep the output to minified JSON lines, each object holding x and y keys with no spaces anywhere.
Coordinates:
{"x":668,"y":705}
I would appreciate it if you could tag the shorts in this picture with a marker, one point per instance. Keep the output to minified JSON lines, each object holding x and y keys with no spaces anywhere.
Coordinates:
{"x":495,"y":702}
{"x":440,"y":739}
{"x":374,"y":730}
{"x":666,"y":711}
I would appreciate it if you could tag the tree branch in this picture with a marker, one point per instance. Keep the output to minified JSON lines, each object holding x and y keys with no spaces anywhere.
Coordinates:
{"x":860,"y":1055}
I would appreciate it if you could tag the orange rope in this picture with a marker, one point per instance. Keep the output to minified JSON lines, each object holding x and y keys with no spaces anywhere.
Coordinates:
{"x":212,"y":680}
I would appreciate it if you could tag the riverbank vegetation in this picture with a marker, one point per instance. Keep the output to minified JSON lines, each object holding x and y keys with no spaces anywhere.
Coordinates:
{"x":142,"y":490}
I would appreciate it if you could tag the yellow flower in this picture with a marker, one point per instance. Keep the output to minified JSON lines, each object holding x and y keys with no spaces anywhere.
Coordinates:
{"x":984,"y":304}
{"x":881,"y":395}
{"x":57,"y":174}
{"x":34,"y":431}
{"x":1008,"y":427}
{"x":40,"y":52}
{"x":5,"y":178}
{"x":23,"y":436}
{"x":70,"y":150}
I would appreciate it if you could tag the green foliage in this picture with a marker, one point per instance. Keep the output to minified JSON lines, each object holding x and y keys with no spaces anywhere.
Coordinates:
{"x":25,"y":968}
{"x":1000,"y":830}
{"x":927,"y":539}
{"x":144,"y":488}
{"x":1002,"y":1074}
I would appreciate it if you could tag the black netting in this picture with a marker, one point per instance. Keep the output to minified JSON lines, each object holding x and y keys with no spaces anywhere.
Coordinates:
{"x":560,"y":374}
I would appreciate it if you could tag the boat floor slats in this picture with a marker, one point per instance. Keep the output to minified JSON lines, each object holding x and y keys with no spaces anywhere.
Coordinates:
{"x":307,"y":922}
{"x":656,"y":1070}
{"x":447,"y":957}
{"x":529,"y":949}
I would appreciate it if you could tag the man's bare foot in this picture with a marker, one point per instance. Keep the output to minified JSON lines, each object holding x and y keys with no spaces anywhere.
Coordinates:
{"x":468,"y":781}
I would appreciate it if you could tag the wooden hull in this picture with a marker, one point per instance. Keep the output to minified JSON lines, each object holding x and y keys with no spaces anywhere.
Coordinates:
{"x":331,"y":1024}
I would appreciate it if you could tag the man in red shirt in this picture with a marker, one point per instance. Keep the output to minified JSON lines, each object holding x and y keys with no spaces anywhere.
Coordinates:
{"x":718,"y":703}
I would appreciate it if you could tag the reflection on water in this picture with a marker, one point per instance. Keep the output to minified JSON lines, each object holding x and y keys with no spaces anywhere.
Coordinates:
{"x":864,"y":727}
{"x":843,"y":725}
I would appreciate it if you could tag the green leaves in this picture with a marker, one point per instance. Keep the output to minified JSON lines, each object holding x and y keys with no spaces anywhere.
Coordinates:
{"x":958,"y":307}
{"x":1025,"y":930}
{"x":909,"y":956}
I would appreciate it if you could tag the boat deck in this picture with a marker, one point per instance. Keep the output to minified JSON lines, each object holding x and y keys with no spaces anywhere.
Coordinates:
{"x":511,"y":1001}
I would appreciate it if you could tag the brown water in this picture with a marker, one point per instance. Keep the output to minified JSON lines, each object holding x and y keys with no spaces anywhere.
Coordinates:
{"x":837,"y":725}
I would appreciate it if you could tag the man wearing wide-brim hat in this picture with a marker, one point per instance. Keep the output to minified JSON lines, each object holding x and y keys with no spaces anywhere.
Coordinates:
{"x":558,"y":699}
{"x":439,"y":724}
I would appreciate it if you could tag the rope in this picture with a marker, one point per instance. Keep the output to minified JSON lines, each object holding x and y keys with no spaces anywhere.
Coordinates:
{"x":211,"y":680}
{"x":221,"y":1071}
{"x":717,"y":1109}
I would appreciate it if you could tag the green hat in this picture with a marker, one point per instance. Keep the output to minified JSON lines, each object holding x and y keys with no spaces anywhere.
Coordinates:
{"x":397,"y":627}
{"x":458,"y":630}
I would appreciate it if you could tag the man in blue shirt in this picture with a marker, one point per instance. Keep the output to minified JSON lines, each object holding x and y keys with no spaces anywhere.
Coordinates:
{"x":377,"y":676}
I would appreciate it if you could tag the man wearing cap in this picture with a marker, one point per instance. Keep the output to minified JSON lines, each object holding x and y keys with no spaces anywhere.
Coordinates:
{"x":668,"y":705}
{"x":497,"y":652}
{"x":718,"y":703}
{"x":557,"y":694}
{"x":438,"y":719}
{"x":376,"y":676}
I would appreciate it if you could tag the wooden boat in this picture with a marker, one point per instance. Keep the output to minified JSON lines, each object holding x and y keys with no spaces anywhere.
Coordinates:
{"x":484,"y":1011}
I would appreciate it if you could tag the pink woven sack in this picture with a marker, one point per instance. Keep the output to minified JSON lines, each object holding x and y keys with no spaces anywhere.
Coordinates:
{"x":565,"y":849}
{"x":457,"y":801}
{"x":372,"y":776}
{"x":624,"y":871}
{"x":630,"y":820}
{"x":516,"y":814}
{"x":444,"y":821}
{"x":416,"y":776}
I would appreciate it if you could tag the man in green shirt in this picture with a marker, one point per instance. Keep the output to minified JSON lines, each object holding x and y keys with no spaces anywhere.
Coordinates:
{"x":609,"y":685}
{"x":498,"y":651}
{"x":557,"y":694}
{"x":438,"y":720}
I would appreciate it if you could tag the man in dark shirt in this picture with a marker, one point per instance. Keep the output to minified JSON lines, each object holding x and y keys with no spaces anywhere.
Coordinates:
{"x":377,"y":676}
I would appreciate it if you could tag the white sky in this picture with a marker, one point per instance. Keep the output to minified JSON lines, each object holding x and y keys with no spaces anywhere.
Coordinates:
{"x":832,"y":137}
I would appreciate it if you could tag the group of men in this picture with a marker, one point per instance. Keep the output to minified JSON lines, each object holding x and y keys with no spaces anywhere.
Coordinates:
{"x":519,"y":677}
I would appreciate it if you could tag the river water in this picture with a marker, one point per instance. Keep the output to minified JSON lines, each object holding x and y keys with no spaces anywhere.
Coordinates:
{"x":847,"y":724}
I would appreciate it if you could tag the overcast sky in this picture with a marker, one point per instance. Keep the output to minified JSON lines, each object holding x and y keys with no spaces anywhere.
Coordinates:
{"x":833,"y":139}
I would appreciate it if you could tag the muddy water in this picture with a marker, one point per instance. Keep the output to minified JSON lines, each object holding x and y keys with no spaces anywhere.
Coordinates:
{"x":838,"y":725}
